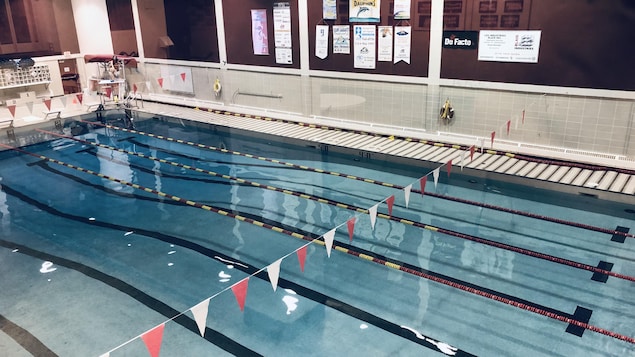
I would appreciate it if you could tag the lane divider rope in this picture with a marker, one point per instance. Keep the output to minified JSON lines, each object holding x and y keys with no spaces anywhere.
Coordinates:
{"x":484,"y":241}
{"x":424,"y":275}
{"x":375,"y":182}
{"x":421,"y":141}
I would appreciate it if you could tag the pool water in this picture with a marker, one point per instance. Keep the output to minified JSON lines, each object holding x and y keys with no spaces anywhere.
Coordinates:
{"x":89,"y":264}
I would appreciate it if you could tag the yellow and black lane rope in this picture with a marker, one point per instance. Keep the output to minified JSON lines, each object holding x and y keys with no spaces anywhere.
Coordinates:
{"x":488,"y":242}
{"x":422,"y":141}
{"x":375,"y":182}
{"x":426,"y":275}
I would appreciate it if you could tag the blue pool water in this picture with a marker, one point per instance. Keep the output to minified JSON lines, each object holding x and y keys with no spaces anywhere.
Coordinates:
{"x":88,"y":264}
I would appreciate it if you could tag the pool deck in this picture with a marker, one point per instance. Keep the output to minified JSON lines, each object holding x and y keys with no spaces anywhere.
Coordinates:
{"x":602,"y":176}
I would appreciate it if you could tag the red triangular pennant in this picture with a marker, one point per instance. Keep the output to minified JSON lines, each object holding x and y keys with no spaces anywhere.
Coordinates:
{"x":301,"y":257}
{"x":160,"y":80}
{"x":47,"y":102}
{"x":493,"y":135}
{"x":449,"y":167}
{"x":472,"y":149}
{"x":153,"y":340}
{"x":390,"y":201}
{"x":240,"y":292}
{"x":350,"y":224}
{"x":509,"y":123}
{"x":12,"y":110}
{"x":422,"y":182}
{"x":183,"y":76}
{"x":134,"y":88}
{"x":80,"y":97}
{"x":108,"y":92}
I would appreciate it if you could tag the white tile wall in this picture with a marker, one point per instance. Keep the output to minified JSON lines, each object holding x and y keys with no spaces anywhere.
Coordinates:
{"x":603,"y":125}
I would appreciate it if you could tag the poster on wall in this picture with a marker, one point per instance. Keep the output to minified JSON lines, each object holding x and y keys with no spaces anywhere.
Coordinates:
{"x":384,"y":43}
{"x":329,"y":9}
{"x":509,"y":46}
{"x":282,"y":32}
{"x":321,"y":41}
{"x":363,"y":11}
{"x":402,"y":44}
{"x":259,"y":32}
{"x":342,"y":39}
{"x":401,"y":10}
{"x":284,"y":55}
{"x":364,"y":39}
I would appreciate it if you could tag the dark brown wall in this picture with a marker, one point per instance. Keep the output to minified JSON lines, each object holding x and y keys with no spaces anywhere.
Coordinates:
{"x":237,"y":15}
{"x":344,"y":63}
{"x":584,"y":43}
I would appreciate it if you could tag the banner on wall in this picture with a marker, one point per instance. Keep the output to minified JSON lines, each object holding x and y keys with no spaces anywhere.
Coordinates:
{"x":384,"y":43}
{"x":282,"y":32}
{"x":401,"y":10}
{"x":509,"y":46}
{"x":321,"y":41}
{"x":402,"y":43}
{"x":259,"y":32}
{"x":329,"y":9}
{"x":342,"y":39}
{"x":364,"y":11}
{"x":364,"y":39}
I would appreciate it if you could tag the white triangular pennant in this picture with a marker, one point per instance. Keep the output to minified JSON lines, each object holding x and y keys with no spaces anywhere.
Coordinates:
{"x":373,"y":215}
{"x":63,"y":100}
{"x":273,"y":270}
{"x":200,"y":315}
{"x":435,"y":176}
{"x":29,"y":106}
{"x":328,"y":241}
{"x":148,"y":86}
{"x":407,"y":190}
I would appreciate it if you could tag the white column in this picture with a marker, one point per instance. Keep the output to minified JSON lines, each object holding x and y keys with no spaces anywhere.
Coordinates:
{"x":307,"y":93}
{"x":220,"y":32}
{"x":434,"y":66}
{"x":93,"y":28}
{"x":137,"y":29}
{"x":303,"y":21}
{"x":436,"y":38}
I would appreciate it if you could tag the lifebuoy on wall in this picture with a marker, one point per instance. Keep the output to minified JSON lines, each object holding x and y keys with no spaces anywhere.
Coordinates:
{"x":217,"y":87}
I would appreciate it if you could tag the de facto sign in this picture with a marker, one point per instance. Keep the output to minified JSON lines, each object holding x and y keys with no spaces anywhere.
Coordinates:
{"x":465,"y":40}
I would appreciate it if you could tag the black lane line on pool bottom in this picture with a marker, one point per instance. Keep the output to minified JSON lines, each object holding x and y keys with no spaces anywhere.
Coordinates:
{"x":358,"y":252}
{"x":167,"y":311}
{"x":620,"y":238}
{"x":602,"y":278}
{"x":385,"y":262}
{"x":496,"y":244}
{"x":376,"y":182}
{"x":361,"y":251}
{"x":25,"y":339}
{"x":158,"y":306}
{"x":583,"y":315}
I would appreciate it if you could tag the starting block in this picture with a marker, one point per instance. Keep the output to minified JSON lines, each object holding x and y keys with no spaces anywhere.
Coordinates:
{"x":6,"y":122}
{"x":53,"y":113}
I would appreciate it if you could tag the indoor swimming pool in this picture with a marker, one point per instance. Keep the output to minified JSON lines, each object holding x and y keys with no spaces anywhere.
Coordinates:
{"x":121,"y":239}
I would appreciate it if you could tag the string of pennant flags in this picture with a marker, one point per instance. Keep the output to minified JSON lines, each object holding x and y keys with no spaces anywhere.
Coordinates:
{"x":153,"y":337}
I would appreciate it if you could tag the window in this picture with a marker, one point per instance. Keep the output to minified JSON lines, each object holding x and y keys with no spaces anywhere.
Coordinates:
{"x":30,"y":28}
